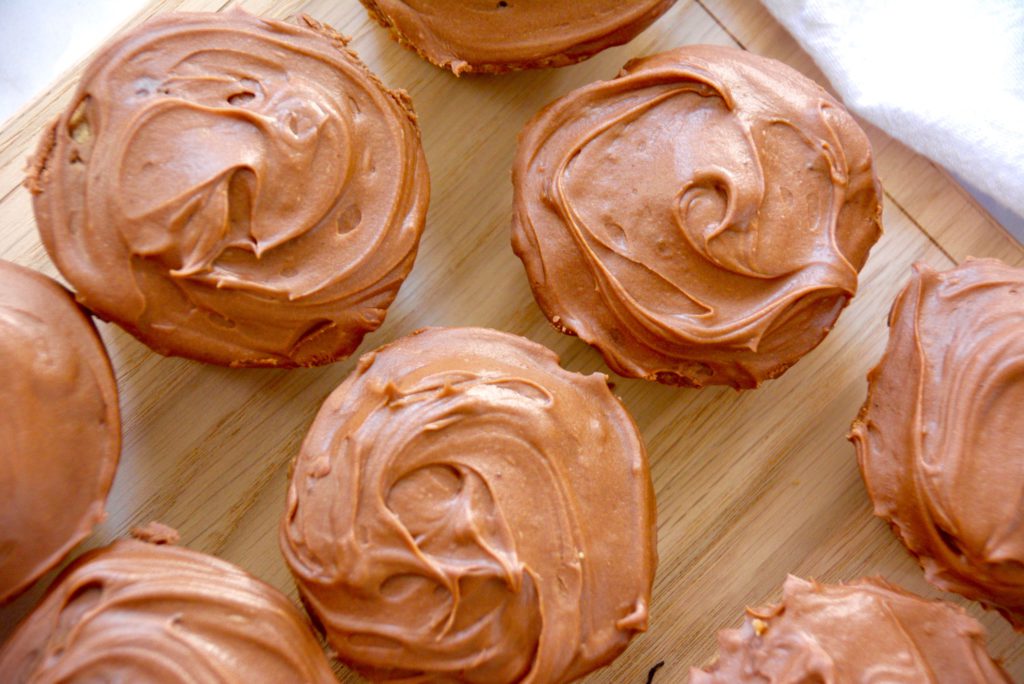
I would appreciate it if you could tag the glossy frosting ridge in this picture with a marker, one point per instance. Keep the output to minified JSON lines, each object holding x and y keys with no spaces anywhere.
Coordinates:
{"x":864,"y":632}
{"x":464,"y":509}
{"x":137,"y":612}
{"x":235,"y":190}
{"x":701,"y":218}
{"x":940,"y":439}
{"x":493,"y":37}
{"x":60,"y":428}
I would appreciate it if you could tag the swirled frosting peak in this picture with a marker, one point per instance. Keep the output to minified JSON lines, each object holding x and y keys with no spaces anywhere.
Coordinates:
{"x":137,"y":612}
{"x":233,"y":190}
{"x":864,"y":632}
{"x":700,"y":219}
{"x":494,"y":36}
{"x":60,"y":428}
{"x":940,"y":438}
{"x":465,"y":510}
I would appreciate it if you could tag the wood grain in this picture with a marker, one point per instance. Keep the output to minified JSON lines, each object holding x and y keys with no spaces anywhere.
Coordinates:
{"x":751,"y":486}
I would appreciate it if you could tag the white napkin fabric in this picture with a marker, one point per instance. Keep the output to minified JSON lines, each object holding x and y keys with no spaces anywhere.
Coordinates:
{"x":946,"y":77}
{"x":40,"y":39}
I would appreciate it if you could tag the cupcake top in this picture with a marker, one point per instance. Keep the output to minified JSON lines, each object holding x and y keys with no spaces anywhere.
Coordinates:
{"x":700,"y":219}
{"x":864,"y":632}
{"x":494,"y":36}
{"x":137,"y":612}
{"x":465,"y":509}
{"x":940,"y":438}
{"x":60,"y":428}
{"x":233,"y":190}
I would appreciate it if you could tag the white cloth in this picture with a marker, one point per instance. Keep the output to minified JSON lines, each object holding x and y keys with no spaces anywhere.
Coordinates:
{"x":944,"y":76}
{"x":40,"y":39}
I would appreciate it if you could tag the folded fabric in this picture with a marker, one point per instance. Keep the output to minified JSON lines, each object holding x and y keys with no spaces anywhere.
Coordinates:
{"x":944,"y":76}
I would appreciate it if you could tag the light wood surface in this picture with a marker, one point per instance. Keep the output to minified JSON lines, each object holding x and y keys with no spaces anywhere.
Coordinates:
{"x":751,"y":486}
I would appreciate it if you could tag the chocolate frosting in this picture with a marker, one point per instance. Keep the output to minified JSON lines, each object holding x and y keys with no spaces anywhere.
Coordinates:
{"x":700,"y":219}
{"x":495,"y":36}
{"x":463,"y":509}
{"x":867,"y":631}
{"x":60,"y":429}
{"x":136,"y":612}
{"x":234,"y":190}
{"x":940,"y":438}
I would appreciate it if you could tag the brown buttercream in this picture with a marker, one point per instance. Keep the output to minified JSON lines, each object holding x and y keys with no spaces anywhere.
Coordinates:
{"x":464,"y":509}
{"x":700,"y":219}
{"x":137,"y":612}
{"x":60,"y":429}
{"x":865,"y":632}
{"x":492,"y":36}
{"x":940,"y":438}
{"x":234,"y":190}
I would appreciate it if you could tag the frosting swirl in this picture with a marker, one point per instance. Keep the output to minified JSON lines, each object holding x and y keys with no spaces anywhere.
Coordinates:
{"x":940,"y":439}
{"x":700,"y":219}
{"x":463,"y":509}
{"x":136,"y":612}
{"x":865,"y":632}
{"x":60,"y":428}
{"x":494,"y":36}
{"x":234,"y":190}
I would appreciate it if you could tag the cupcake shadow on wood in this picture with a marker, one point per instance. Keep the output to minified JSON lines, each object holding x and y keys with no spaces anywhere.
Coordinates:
{"x":234,"y":190}
{"x":701,"y":219}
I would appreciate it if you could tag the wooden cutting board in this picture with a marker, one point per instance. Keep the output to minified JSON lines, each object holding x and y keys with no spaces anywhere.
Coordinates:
{"x":751,"y":486}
